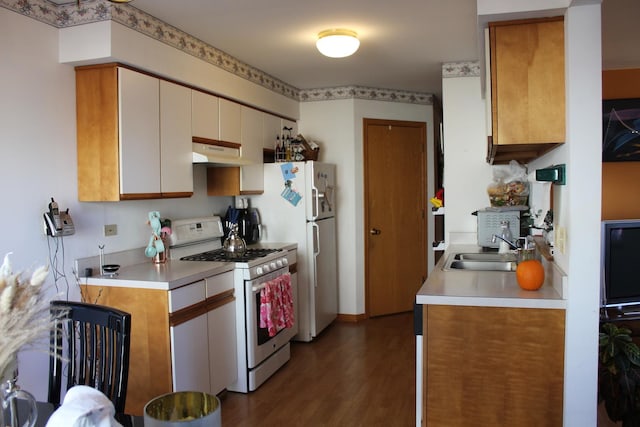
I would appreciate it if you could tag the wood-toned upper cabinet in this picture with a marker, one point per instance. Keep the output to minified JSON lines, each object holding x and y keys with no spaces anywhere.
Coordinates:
{"x":252,"y":176}
{"x":205,"y":121}
{"x":527,"y":89}
{"x":230,"y":121}
{"x":119,"y":137}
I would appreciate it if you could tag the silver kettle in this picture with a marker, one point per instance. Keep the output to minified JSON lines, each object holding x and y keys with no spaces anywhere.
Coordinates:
{"x":234,"y":245}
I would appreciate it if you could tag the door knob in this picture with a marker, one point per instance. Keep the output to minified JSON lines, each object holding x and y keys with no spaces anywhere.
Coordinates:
{"x":374,"y":231}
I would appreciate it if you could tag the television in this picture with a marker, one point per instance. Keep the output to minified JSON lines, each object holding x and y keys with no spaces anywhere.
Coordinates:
{"x":620,"y":264}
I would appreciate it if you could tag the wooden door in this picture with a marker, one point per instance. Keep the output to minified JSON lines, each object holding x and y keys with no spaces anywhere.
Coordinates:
{"x":395,"y":214}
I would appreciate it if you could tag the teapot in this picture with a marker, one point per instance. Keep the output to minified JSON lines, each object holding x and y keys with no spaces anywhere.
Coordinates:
{"x":234,"y":245}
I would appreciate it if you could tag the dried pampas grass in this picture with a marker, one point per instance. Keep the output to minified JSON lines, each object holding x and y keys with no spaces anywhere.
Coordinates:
{"x":24,"y":313}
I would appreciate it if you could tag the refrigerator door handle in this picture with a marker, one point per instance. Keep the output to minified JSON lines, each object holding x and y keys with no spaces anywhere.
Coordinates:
{"x":316,"y":252}
{"x":316,"y":201}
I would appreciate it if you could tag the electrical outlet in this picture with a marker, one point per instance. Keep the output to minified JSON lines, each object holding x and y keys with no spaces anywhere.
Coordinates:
{"x":561,"y":239}
{"x":110,"y":230}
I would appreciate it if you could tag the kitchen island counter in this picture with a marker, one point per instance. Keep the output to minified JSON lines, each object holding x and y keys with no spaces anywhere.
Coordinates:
{"x":489,"y":288}
{"x":487,"y":350}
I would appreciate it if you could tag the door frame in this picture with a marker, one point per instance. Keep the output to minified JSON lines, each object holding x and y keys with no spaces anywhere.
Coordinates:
{"x":424,"y":183}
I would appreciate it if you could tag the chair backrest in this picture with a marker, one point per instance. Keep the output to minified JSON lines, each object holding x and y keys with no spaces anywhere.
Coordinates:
{"x":89,"y":346}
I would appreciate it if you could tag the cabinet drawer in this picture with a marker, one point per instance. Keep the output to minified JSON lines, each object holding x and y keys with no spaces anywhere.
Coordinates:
{"x":186,"y":296}
{"x":219,"y":283}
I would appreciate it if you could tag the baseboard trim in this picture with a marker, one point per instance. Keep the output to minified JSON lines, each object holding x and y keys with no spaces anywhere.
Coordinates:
{"x":351,"y":318}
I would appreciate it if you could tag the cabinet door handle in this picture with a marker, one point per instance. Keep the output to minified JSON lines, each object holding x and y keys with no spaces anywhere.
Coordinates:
{"x":374,"y":231}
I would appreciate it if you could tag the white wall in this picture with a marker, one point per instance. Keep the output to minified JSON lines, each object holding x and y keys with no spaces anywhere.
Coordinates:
{"x":466,"y":175}
{"x":337,"y":125}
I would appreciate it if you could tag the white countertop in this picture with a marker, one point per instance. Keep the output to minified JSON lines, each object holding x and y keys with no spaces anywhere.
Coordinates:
{"x":171,"y":274}
{"x":490,"y":288}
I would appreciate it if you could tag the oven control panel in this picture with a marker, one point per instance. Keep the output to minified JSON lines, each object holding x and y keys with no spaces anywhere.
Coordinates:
{"x":271,"y":266}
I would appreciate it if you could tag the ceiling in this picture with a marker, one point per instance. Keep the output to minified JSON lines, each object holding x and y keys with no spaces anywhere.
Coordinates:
{"x":403,"y":44}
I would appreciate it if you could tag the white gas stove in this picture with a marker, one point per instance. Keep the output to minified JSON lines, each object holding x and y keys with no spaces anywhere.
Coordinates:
{"x":200,"y":239}
{"x":261,"y":349}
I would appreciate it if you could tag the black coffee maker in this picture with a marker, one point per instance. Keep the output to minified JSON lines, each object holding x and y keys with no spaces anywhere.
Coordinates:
{"x":249,"y":225}
{"x":248,"y":220}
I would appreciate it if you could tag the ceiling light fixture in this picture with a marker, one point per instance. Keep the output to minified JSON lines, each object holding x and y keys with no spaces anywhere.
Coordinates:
{"x":337,"y":43}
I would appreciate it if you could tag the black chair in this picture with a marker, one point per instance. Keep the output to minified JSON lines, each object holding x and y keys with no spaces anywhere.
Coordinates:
{"x":89,"y":346}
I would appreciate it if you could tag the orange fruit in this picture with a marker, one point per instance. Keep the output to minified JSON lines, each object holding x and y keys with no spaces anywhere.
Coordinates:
{"x":530,"y":275}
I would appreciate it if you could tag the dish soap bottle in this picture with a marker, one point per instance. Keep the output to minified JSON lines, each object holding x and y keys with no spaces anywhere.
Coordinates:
{"x":505,"y":233}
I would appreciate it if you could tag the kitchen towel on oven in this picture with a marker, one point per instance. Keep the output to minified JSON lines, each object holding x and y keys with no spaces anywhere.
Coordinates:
{"x":276,"y":304}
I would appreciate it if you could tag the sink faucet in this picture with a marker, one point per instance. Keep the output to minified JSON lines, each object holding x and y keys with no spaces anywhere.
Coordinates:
{"x":511,"y":244}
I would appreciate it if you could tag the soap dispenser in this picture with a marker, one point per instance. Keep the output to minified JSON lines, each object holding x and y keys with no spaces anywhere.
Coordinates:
{"x":506,"y":236}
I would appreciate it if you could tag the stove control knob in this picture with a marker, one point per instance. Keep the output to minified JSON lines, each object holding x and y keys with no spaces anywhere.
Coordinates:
{"x":259,"y":271}
{"x":285,"y":261}
{"x":266,"y":268}
{"x":273,"y":265}
{"x":279,"y":263}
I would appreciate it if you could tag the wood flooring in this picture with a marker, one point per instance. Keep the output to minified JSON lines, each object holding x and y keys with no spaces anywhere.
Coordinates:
{"x":353,"y":374}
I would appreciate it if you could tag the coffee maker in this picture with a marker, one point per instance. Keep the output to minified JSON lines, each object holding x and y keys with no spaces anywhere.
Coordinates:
{"x":249,"y":225}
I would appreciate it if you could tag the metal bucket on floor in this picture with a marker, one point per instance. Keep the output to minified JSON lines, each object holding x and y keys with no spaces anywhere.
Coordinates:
{"x":183,"y":409}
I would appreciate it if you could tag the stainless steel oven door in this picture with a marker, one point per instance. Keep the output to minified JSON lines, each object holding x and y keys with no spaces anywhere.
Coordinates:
{"x":259,"y":344}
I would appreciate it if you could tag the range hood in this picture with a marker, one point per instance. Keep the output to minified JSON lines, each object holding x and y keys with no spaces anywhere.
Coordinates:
{"x":217,"y":155}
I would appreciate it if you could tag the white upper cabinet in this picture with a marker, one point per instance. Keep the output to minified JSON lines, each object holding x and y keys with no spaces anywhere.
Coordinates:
{"x":272,"y":128}
{"x":205,"y":115}
{"x":139,"y":148}
{"x":230,"y":121}
{"x":176,"y":167}
{"x":251,"y":176}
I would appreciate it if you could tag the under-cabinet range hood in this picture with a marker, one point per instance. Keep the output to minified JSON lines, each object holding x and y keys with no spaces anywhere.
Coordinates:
{"x":217,"y":154}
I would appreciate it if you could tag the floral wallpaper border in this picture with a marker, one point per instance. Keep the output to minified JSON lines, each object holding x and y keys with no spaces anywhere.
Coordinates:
{"x":362,"y":92}
{"x":461,"y":69}
{"x":88,"y":11}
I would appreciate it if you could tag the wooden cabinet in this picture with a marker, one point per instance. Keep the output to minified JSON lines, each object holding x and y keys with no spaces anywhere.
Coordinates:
{"x":205,"y":115}
{"x":492,"y":366}
{"x":183,"y":339}
{"x":119,"y":141}
{"x":527,"y":89}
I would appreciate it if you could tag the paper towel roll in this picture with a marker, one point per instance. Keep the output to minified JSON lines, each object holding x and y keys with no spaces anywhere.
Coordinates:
{"x":539,"y":199}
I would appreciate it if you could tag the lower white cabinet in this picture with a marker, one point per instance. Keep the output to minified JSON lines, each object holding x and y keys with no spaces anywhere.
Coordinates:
{"x":203,"y":346}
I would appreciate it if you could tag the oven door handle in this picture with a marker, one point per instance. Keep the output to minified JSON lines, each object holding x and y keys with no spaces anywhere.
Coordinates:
{"x":256,"y":288}
{"x":262,"y":285}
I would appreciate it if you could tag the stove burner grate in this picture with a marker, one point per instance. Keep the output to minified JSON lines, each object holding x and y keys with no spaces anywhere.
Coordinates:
{"x":222,"y":256}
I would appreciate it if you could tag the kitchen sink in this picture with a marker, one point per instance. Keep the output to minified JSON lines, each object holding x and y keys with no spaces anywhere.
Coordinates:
{"x":481,"y":262}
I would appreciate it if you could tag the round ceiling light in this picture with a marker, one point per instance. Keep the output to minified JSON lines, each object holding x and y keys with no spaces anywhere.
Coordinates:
{"x":337,"y":43}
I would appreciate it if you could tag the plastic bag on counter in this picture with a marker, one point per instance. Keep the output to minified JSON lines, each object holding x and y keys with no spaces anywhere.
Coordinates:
{"x":510,"y":186}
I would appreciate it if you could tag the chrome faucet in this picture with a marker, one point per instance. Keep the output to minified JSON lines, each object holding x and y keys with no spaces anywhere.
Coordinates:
{"x":507,"y":241}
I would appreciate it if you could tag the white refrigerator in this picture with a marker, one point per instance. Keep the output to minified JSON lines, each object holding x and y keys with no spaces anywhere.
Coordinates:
{"x":298,"y":205}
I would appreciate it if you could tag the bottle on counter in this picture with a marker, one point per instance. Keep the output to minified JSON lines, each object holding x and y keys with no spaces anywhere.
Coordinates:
{"x":505,"y":233}
{"x":287,"y":155}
